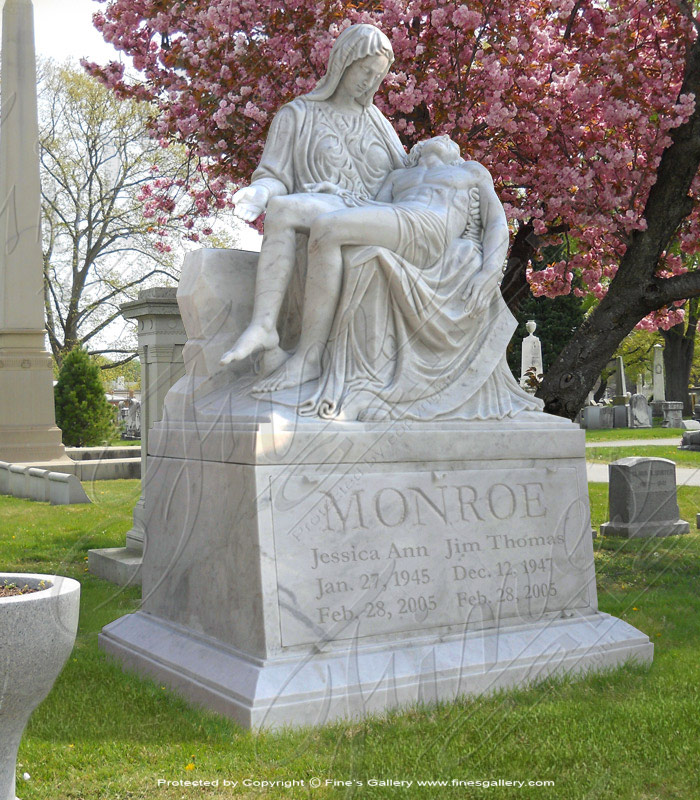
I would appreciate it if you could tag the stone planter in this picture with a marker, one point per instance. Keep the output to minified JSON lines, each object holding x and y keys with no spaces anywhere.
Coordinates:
{"x":37,"y":632}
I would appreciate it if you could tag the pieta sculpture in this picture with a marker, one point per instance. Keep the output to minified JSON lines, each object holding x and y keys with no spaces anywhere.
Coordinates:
{"x":402,"y":315}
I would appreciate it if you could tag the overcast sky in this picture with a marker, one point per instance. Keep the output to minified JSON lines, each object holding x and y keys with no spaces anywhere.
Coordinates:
{"x":63,"y":29}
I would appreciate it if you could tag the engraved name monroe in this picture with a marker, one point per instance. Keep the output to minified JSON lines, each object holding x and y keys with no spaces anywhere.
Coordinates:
{"x":430,"y":554}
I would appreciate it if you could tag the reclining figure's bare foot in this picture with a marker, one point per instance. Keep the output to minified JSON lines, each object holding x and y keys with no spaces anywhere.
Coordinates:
{"x":253,"y":338}
{"x":300,"y":368}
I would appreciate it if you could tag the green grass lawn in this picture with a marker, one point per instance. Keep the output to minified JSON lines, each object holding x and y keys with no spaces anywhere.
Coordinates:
{"x":617,"y":434}
{"x":633,"y":734}
{"x":683,"y":458}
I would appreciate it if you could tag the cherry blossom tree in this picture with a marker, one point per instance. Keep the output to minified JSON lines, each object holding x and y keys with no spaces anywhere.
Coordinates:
{"x":583,"y":110}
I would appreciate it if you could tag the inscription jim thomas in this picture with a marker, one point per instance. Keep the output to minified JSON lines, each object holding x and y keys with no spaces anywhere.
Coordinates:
{"x":390,"y":552}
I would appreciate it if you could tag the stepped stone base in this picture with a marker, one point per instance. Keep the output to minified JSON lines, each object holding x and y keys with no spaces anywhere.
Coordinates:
{"x":363,"y":678}
{"x":295,"y":572}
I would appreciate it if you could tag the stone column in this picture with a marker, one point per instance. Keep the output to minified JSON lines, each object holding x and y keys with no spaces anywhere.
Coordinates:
{"x":658,"y":379}
{"x":621,"y":398}
{"x":28,"y":432}
{"x":161,"y":339}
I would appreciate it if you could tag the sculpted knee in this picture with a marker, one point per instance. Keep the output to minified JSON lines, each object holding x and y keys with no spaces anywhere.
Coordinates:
{"x":279,"y":213}
{"x":324,"y":232}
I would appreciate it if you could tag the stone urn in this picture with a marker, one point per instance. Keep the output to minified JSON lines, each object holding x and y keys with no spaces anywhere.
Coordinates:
{"x":37,"y":632}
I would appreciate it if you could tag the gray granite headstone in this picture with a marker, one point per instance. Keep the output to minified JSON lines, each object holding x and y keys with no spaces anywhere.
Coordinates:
{"x":640,"y":413}
{"x":620,"y":419}
{"x":673,"y":414}
{"x":590,"y":417}
{"x":690,"y":441}
{"x":606,"y":416}
{"x":642,"y":499}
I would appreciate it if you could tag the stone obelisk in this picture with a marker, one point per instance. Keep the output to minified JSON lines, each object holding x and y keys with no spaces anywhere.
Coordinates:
{"x":28,"y":432}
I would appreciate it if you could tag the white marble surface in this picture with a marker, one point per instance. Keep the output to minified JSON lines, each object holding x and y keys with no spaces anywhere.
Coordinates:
{"x":531,"y":367}
{"x":659,"y":375}
{"x":404,"y":524}
{"x":362,"y":679}
{"x":248,"y":535}
{"x":639,"y":412}
{"x":388,"y":263}
{"x":385,"y":552}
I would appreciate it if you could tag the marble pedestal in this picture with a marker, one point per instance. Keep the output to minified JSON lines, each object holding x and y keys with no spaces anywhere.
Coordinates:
{"x":294,"y":574}
{"x":161,"y":337}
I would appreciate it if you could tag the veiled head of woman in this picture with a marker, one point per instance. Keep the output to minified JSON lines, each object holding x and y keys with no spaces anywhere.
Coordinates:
{"x":354,"y":44}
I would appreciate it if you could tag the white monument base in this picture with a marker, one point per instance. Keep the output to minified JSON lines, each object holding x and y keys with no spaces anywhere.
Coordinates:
{"x":318,"y":687}
{"x":295,"y":572}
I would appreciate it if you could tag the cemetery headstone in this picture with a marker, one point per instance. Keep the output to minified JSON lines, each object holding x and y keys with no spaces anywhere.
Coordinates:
{"x":642,"y":499}
{"x":673,"y":414}
{"x":531,"y":368}
{"x":620,"y":416}
{"x":640,"y":413}
{"x":606,"y":416}
{"x":690,"y":441}
{"x":590,"y":417}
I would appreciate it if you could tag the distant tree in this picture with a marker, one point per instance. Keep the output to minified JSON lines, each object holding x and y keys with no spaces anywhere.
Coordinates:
{"x":637,"y":351}
{"x":82,"y":410}
{"x":130,"y":372}
{"x":103,"y":240}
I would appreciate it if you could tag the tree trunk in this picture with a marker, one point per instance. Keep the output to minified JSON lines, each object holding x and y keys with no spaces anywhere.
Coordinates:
{"x":514,"y":286}
{"x":635,"y":291}
{"x":679,"y":348}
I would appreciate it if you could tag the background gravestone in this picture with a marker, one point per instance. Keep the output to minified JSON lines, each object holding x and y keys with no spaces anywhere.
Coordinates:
{"x":640,"y":413}
{"x":690,"y":441}
{"x":673,"y":414}
{"x":531,"y":368}
{"x":606,"y":417}
{"x":590,"y":417}
{"x":659,"y":380}
{"x":642,"y":499}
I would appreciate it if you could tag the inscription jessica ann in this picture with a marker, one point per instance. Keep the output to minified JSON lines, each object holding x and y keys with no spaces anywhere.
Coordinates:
{"x":380,"y":559}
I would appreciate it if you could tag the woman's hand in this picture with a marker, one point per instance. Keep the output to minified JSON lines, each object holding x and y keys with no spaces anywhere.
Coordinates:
{"x":250,"y":202}
{"x":479,"y":291}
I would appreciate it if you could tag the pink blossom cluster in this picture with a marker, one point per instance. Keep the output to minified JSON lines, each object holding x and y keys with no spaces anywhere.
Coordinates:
{"x":570,"y":105}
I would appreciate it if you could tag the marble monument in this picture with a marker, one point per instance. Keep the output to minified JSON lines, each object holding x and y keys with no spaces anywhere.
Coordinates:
{"x":351,"y":504}
{"x":28,"y":432}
